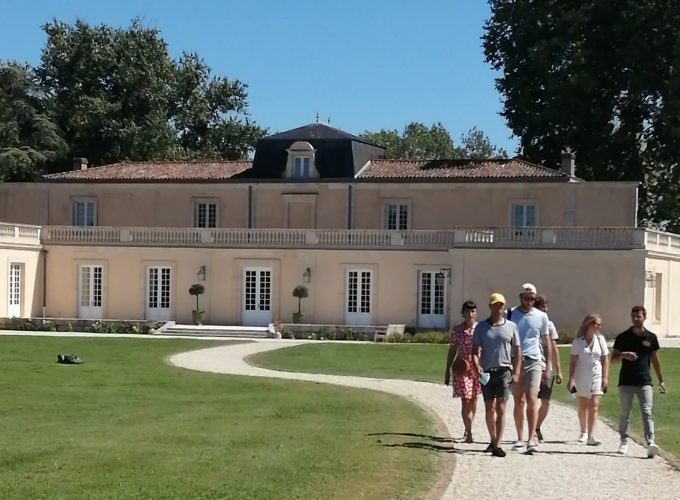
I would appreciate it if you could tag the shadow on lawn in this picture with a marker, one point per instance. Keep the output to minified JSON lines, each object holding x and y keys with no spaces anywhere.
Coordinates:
{"x":411,"y":434}
{"x":432,"y":443}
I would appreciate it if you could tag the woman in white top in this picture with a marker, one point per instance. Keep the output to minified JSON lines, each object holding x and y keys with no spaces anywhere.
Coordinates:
{"x":588,"y":374}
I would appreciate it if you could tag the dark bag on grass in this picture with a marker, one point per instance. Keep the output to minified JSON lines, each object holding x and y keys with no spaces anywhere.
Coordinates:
{"x":69,"y":359}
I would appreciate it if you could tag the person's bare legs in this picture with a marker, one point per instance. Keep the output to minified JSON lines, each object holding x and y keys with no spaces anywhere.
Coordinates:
{"x":532,"y":412}
{"x":583,"y":404}
{"x":500,"y":420}
{"x":542,"y":412}
{"x":518,"y":411}
{"x":490,"y":420}
{"x":593,"y":410}
{"x":468,"y":410}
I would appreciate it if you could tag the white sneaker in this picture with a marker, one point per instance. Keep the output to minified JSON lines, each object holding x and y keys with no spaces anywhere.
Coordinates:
{"x":583,"y":438}
{"x":623,"y":448}
{"x":531,"y":447}
{"x":519,"y":445}
{"x":594,"y":442}
{"x":652,"y":450}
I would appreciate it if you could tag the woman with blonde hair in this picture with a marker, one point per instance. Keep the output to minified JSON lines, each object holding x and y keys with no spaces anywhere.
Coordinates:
{"x":588,"y":374}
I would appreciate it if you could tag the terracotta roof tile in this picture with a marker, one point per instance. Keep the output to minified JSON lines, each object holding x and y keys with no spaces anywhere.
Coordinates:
{"x":159,"y":171}
{"x":202,"y":171}
{"x":492,"y":169}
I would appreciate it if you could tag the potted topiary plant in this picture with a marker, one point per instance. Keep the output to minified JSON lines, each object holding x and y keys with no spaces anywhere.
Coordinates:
{"x":197,"y":314}
{"x":300,"y":292}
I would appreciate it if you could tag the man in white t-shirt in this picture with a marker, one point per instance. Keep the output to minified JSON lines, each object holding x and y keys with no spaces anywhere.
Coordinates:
{"x":533,"y":332}
{"x":545,"y":391}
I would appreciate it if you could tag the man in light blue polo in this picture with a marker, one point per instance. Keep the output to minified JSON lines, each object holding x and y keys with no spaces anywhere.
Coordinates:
{"x":532,"y":325}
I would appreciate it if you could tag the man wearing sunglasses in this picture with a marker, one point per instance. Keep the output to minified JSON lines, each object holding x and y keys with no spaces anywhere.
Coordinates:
{"x":532,"y":325}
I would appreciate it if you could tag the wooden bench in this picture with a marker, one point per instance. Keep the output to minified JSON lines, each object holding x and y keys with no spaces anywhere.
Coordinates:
{"x":385,"y":332}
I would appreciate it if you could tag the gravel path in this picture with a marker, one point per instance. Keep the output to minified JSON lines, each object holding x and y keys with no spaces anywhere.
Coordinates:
{"x":561,"y":469}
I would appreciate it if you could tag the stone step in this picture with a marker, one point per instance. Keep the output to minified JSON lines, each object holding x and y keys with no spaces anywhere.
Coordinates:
{"x":217,"y":331}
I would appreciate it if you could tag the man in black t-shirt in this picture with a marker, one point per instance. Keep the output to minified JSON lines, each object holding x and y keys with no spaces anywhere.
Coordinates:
{"x":636,"y":348}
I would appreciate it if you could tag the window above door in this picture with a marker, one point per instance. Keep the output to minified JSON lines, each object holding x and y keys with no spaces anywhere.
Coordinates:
{"x":84,"y":211}
{"x":397,"y":214}
{"x":524,"y":214}
{"x":206,"y":212}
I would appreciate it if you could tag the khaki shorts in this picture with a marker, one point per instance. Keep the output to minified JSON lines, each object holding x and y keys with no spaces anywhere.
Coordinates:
{"x":530,"y":378}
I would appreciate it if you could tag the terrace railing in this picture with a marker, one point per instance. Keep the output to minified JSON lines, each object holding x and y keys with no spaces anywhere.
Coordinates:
{"x":662,"y":242}
{"x":19,"y":235}
{"x":526,"y":237}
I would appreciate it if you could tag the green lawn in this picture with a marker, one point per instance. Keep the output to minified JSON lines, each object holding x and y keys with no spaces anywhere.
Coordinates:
{"x":424,"y":362}
{"x":427,"y":362}
{"x":127,"y":425}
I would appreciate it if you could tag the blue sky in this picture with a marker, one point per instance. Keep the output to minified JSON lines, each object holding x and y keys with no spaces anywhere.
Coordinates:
{"x":366,"y":64}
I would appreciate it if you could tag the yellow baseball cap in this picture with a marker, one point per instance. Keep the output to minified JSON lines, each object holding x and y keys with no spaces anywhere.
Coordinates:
{"x":496,"y":298}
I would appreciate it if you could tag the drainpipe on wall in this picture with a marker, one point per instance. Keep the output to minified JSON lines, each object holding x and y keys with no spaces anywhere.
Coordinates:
{"x":250,"y":207}
{"x":349,"y":207}
{"x":44,"y":282}
{"x":48,"y":206}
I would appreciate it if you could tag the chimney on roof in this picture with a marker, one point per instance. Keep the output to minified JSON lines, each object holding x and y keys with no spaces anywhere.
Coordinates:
{"x":79,"y":163}
{"x":568,"y":163}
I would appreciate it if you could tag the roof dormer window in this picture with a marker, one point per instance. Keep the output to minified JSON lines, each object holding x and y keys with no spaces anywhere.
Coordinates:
{"x":301,"y":166}
{"x":301,"y":161}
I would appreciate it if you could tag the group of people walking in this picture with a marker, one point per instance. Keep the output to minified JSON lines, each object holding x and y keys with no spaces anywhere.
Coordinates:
{"x":515,"y":351}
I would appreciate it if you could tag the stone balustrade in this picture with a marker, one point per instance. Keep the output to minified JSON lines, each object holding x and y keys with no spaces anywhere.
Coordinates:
{"x":19,"y":235}
{"x":531,"y":237}
{"x":662,"y":242}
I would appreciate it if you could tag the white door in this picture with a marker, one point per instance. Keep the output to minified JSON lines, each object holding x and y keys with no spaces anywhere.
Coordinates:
{"x":358,"y":297}
{"x":257,"y":296}
{"x":158,"y":297}
{"x":90,"y":292}
{"x":432,"y":300}
{"x":14,"y":305}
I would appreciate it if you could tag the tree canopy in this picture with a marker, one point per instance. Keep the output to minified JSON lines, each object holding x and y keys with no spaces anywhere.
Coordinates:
{"x":418,"y":142}
{"x":599,"y":78}
{"x":28,"y":139}
{"x":112,"y":94}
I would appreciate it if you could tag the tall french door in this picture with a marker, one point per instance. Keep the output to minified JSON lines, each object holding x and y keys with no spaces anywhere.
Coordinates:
{"x":14,"y":302}
{"x":90,"y":278}
{"x":257,"y":296}
{"x":158,"y":293}
{"x":431,"y":300}
{"x":359,"y":297}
